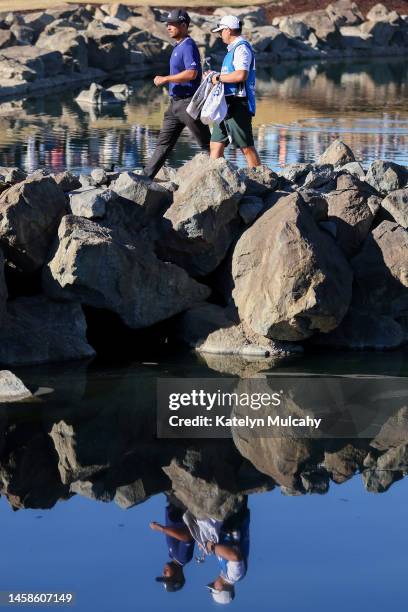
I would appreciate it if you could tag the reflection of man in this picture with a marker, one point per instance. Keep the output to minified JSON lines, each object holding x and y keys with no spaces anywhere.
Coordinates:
{"x":238,"y":76}
{"x":180,"y":545}
{"x":183,"y":80}
{"x":232,"y":552}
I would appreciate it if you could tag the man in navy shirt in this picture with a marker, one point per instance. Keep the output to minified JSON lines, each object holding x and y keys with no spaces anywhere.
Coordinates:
{"x":180,"y":545}
{"x":183,"y":81}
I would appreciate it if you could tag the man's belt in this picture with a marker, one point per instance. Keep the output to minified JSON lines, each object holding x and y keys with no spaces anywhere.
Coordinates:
{"x":177,"y":98}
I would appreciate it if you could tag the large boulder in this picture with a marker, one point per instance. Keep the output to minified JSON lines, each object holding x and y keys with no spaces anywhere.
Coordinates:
{"x":106,"y":49}
{"x":203,"y":219}
{"x":145,"y":196}
{"x":30,"y":212}
{"x":379,"y":12}
{"x":352,"y":207}
{"x":396,"y":203}
{"x":70,"y":43}
{"x":43,"y":62}
{"x":344,"y":13}
{"x":380,"y":271}
{"x":295,"y":28}
{"x":337,"y":154}
{"x":269,"y":39}
{"x":323,"y":27}
{"x":95,"y":266}
{"x":290,"y":278}
{"x":38,"y":330}
{"x":387,"y":176}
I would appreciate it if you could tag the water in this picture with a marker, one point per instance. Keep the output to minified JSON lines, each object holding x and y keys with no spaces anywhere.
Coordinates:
{"x":301,"y":109}
{"x":346,"y":548}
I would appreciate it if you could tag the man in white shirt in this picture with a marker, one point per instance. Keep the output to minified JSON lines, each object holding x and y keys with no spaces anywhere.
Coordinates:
{"x":238,"y":76}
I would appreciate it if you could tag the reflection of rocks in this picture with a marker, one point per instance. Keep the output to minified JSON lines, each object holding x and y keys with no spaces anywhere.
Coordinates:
{"x":200,"y":484}
{"x":12,"y":388}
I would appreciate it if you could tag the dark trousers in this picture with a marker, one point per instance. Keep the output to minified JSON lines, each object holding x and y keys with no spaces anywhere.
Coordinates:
{"x":175,"y":120}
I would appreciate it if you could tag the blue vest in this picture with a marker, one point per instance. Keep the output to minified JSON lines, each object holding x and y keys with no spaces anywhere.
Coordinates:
{"x":234,"y":88}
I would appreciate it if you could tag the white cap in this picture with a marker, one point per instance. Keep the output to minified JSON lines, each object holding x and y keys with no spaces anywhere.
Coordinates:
{"x":228,"y":21}
{"x":221,"y":597}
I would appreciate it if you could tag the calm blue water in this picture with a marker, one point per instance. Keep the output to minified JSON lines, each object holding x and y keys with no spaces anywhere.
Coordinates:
{"x":344,"y":550}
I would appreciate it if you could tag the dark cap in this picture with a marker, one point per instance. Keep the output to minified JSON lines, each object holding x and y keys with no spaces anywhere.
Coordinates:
{"x":177,"y":16}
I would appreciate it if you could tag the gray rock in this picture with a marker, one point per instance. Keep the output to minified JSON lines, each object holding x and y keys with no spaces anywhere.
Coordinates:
{"x":7,"y":39}
{"x":147,"y":197}
{"x":354,"y":168}
{"x":203,"y":219}
{"x":249,"y":208}
{"x":379,"y":481}
{"x":396,"y":203}
{"x":316,"y":203}
{"x":99,"y":176}
{"x":97,"y":95}
{"x":12,"y":389}
{"x":320,"y":176}
{"x":271,"y":40}
{"x":379,"y":12}
{"x":294,"y":28}
{"x":12,"y":175}
{"x":106,"y":49}
{"x":67,"y":181}
{"x":380,"y":271}
{"x":344,"y":13}
{"x":71,"y":43}
{"x":204,"y":498}
{"x":37,"y":330}
{"x":348,"y":208}
{"x":95,"y":266}
{"x":337,"y":154}
{"x":90,"y":202}
{"x":386,"y":176}
{"x":42,"y":62}
{"x":295,"y":172}
{"x":209,"y":329}
{"x":394,"y":459}
{"x":271,"y":262}
{"x":30,"y":212}
{"x":364,"y":330}
{"x":259,"y":180}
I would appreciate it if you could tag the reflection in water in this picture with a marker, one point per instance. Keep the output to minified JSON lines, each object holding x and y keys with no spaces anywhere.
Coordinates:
{"x":300,"y":110}
{"x":94,"y":440}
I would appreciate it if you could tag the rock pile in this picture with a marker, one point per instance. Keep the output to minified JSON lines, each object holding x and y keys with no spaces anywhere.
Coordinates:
{"x":251,"y":261}
{"x":75,"y":44}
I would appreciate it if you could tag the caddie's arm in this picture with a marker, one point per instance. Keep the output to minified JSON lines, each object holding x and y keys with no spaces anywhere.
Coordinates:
{"x":238,"y":76}
{"x":179,"y":533}
{"x":230,"y":553}
{"x":181,"y":77}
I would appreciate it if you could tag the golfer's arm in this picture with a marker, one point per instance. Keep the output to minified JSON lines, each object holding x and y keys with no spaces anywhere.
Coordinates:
{"x":182,"y":77}
{"x":238,"y":76}
{"x":229,"y":553}
{"x":179,"y":533}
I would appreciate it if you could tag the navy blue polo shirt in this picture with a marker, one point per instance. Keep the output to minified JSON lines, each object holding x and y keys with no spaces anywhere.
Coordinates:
{"x":182,"y":552}
{"x":185,"y":56}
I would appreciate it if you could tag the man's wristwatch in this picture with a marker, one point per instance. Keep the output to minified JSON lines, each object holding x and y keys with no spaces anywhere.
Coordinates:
{"x":217,"y":78}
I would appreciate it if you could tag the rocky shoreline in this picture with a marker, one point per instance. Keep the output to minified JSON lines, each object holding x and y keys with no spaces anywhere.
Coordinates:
{"x":75,"y":45}
{"x":227,"y":261}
